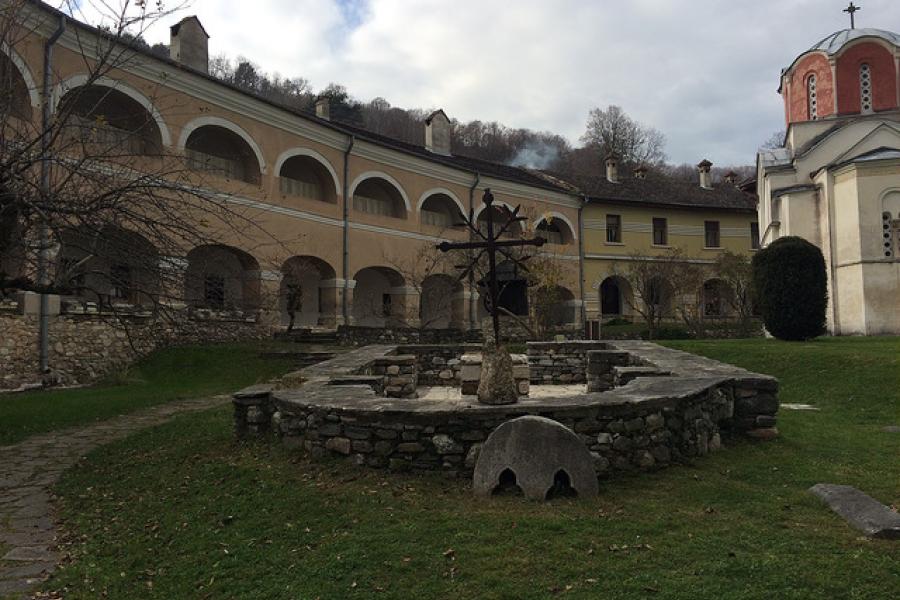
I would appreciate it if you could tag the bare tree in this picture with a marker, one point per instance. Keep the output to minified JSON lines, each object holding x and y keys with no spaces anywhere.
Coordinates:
{"x":428,"y":271}
{"x":654,"y":283}
{"x":614,"y":132}
{"x":735,"y":271}
{"x":91,"y":201}
{"x":776,"y":140}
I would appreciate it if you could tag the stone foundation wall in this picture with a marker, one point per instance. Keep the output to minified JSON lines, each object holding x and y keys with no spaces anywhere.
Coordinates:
{"x":643,"y":439}
{"x":438,"y":365}
{"x":85,"y":347}
{"x":560,"y":362}
{"x":355,"y":335}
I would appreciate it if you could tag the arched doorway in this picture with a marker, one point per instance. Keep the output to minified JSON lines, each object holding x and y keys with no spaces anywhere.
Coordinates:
{"x":222,"y":152}
{"x":377,"y":196}
{"x":222,"y":278}
{"x":303,"y":302}
{"x":109,"y":122}
{"x":375,"y":298}
{"x":110,"y":266}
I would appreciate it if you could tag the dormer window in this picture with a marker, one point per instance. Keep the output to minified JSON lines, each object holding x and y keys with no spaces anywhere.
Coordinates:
{"x":865,"y":88}
{"x":812,"y":97}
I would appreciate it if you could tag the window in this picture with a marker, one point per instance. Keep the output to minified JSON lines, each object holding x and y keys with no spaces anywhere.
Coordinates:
{"x":711,"y":229}
{"x":754,"y":236}
{"x":385,"y":305}
{"x":120,"y":276}
{"x":865,"y":88}
{"x":660,"y":232}
{"x":437,"y":219}
{"x":811,"y":97}
{"x":614,"y":229}
{"x":891,"y":233}
{"x":551,"y":233}
{"x":214,"y":291}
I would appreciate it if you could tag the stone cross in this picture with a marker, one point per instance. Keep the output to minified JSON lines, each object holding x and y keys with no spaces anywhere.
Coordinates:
{"x":490,"y":245}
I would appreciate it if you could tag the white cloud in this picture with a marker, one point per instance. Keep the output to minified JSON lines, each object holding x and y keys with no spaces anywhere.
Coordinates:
{"x":702,"y":71}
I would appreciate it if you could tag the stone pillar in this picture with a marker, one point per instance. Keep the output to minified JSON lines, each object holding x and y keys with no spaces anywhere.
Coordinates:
{"x":578,"y":320}
{"x":404,"y":306}
{"x":331,"y":293}
{"x":400,"y":375}
{"x":600,"y":363}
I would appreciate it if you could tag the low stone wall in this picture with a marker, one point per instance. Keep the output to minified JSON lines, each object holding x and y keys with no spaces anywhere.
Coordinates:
{"x":355,"y":335}
{"x":84,"y":347}
{"x":560,"y":362}
{"x":438,"y":364}
{"x":664,"y":406}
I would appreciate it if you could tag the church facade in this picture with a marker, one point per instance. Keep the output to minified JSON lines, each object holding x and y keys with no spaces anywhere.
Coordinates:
{"x":836,"y":180}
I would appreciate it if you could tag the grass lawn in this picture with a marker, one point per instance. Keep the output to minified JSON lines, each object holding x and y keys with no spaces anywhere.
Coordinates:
{"x":167,"y":375}
{"x":183,"y":511}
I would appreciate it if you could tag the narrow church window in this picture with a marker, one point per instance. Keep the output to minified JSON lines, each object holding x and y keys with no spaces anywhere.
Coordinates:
{"x":812,"y":97}
{"x":865,"y":88}
{"x":891,"y":232}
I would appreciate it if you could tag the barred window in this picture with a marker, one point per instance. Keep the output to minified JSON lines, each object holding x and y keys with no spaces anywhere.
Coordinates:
{"x":660,"y":232}
{"x":614,"y":229}
{"x":812,"y":97}
{"x":865,"y":88}
{"x":711,"y":229}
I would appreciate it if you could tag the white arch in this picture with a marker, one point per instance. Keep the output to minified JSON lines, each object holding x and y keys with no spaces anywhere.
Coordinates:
{"x":24,"y":71}
{"x":76,"y":81}
{"x":893,"y":206}
{"x":555,"y":215}
{"x":284,"y":156}
{"x":439,"y":190}
{"x":386,"y":177}
{"x":199,"y":122}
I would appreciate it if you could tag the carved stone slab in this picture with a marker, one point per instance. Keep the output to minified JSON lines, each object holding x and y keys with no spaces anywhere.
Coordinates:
{"x":860,"y":510}
{"x":535,"y":449}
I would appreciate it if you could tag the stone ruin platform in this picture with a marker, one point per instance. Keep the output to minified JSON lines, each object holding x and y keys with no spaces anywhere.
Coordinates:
{"x":634,"y":404}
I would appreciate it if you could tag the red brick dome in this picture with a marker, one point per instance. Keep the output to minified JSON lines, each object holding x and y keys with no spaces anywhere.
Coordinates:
{"x":852,"y":71}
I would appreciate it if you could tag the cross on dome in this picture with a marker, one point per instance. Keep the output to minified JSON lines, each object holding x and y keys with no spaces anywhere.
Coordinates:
{"x":851,"y":10}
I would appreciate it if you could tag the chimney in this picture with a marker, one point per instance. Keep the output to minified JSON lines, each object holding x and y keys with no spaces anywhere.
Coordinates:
{"x":705,"y":175}
{"x":189,"y":44}
{"x":323,"y":107}
{"x":612,"y":168}
{"x":640,"y":172}
{"x":437,"y":133}
{"x":731,"y":177}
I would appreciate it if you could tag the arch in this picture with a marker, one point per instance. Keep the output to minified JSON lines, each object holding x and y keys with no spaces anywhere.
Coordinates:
{"x":557,"y":216}
{"x":440,"y":210}
{"x":616,"y":297}
{"x":441,"y":305}
{"x":445,"y":192}
{"x":77,"y":81}
{"x":303,"y":292}
{"x":380,"y":175}
{"x":715,"y":297}
{"x":555,"y":306}
{"x":199,"y":122}
{"x":312,"y":154}
{"x":377,"y":298}
{"x":109,"y":266}
{"x":222,"y":277}
{"x":30,"y":84}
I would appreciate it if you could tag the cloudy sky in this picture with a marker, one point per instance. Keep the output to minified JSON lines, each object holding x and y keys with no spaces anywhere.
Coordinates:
{"x":704,"y":72}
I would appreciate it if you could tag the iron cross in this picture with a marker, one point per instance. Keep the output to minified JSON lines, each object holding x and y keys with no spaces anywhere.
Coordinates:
{"x":490,"y":245}
{"x":852,"y":9}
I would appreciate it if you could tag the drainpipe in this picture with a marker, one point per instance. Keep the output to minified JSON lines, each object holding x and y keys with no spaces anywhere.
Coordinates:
{"x":581,"y":262}
{"x":44,"y":243}
{"x":345,"y":311}
{"x":473,"y":304}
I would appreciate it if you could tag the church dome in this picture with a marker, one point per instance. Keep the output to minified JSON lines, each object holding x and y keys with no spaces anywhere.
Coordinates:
{"x":837,"y":40}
